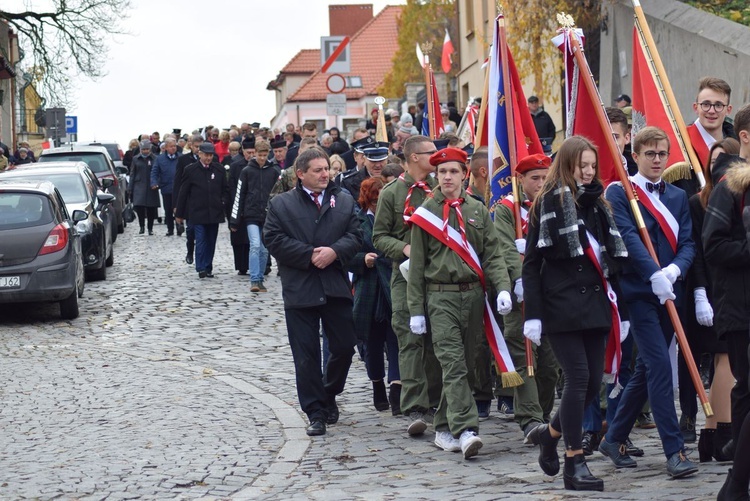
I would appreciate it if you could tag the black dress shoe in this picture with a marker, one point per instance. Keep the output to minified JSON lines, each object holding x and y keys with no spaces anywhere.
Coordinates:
{"x":578,"y":477}
{"x":618,"y":453}
{"x":209,"y":274}
{"x":333,"y":411}
{"x":549,"y":461}
{"x":151,"y":232}
{"x":201,"y":274}
{"x":142,"y":230}
{"x":242,"y":272}
{"x":317,"y":427}
{"x":632,"y":449}
{"x":189,"y":258}
{"x":589,"y":442}
{"x":678,"y":466}
{"x":169,"y":234}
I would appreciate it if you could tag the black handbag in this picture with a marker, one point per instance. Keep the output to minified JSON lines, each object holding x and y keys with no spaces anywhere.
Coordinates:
{"x":128,"y":214}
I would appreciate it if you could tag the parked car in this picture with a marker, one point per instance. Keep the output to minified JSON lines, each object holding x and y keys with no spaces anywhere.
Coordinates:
{"x":40,"y":248}
{"x":80,"y":190}
{"x":115,"y":153}
{"x":98,"y":160}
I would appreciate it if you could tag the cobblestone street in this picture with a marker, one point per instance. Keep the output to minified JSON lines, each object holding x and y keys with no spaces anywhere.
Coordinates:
{"x":171,"y":387}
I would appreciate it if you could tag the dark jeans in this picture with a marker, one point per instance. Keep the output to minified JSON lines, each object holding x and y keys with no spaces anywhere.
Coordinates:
{"x":303,"y":328}
{"x":738,"y":342}
{"x":381,"y":338}
{"x":581,"y":357}
{"x":146,"y":214}
{"x":205,"y":245}
{"x":168,"y":212}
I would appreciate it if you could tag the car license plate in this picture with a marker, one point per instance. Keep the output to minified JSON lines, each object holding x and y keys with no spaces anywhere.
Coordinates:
{"x":10,"y":282}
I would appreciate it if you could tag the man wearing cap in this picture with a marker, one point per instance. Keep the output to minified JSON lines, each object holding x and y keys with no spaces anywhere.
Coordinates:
{"x":279,"y":154}
{"x":421,"y":381}
{"x":238,"y":239}
{"x":534,"y":399}
{"x":162,"y":178}
{"x":375,"y":156}
{"x":455,"y":253}
{"x":545,"y":127}
{"x":182,"y":162}
{"x":353,"y":157}
{"x":622,"y":101}
{"x":202,"y":199}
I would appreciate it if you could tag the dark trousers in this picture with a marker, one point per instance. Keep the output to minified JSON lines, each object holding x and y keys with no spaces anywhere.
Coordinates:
{"x":314,"y":387}
{"x":205,"y":245}
{"x":240,"y":252}
{"x":581,"y":358}
{"x":146,"y":214}
{"x":592,"y":418}
{"x":189,"y":236}
{"x":381,"y":340}
{"x":652,"y":377}
{"x":168,"y":212}
{"x":738,"y":342}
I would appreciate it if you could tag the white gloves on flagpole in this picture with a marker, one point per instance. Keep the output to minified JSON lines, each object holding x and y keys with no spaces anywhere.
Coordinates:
{"x":672,"y":272}
{"x":661,"y":287}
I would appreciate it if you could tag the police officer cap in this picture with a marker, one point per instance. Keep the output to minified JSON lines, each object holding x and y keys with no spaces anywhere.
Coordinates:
{"x":448,"y":155}
{"x":533,"y":162}
{"x":441,"y":144}
{"x":376,"y":152}
{"x":207,"y":147}
{"x":255,"y":125}
{"x":359,"y":144}
{"x":281,"y":143}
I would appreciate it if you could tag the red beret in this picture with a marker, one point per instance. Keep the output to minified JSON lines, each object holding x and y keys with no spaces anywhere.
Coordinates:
{"x":533,"y":162}
{"x":448,"y":155}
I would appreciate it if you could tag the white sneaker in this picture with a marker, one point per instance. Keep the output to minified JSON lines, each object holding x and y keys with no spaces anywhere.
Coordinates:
{"x":470,"y":443}
{"x":445,"y":441}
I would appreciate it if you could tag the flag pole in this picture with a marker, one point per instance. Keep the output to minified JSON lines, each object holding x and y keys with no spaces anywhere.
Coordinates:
{"x":588,"y":80}
{"x":426,"y":48}
{"x":659,"y":74}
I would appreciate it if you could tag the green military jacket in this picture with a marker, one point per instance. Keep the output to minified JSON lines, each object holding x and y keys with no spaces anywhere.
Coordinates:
{"x":505,"y":224}
{"x":432,"y":262}
{"x":287,"y":181}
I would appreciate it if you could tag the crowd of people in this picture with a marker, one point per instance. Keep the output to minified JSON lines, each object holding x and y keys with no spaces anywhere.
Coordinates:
{"x":389,"y":247}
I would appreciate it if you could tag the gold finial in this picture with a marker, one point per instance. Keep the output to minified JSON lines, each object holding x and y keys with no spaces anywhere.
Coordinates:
{"x":565,"y":20}
{"x":426,"y":47}
{"x":499,"y":8}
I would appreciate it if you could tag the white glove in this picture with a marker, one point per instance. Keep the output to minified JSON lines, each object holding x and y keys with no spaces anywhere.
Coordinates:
{"x":703,"y":311}
{"x":672,"y":272}
{"x":521,"y":245}
{"x":661,"y":287}
{"x":404,"y":268}
{"x":532,"y":330}
{"x":418,"y":325}
{"x":518,"y":290}
{"x":504,"y":303}
{"x":624,"y":330}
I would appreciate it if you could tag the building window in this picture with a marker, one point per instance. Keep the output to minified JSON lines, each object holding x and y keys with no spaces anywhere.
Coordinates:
{"x":353,"y":82}
{"x":469,"y":16}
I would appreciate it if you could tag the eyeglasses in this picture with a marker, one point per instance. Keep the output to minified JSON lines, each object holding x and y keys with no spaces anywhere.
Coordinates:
{"x":651,"y":154}
{"x":707,"y":105}
{"x":425,"y":152}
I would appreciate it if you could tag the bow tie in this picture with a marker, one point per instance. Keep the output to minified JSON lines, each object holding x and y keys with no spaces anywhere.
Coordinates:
{"x":661,"y":187}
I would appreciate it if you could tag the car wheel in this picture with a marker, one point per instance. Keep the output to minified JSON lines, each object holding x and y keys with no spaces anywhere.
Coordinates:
{"x":111,"y":259}
{"x":97,"y":275}
{"x":69,"y":306}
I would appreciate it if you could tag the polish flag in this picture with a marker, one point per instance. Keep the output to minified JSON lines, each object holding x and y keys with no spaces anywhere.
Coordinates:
{"x":448,"y":50}
{"x":420,"y":56}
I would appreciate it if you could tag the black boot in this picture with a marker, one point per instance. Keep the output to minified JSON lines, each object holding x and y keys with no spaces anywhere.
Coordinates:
{"x":723,"y":443}
{"x":379,"y":397}
{"x":706,"y":445}
{"x":578,"y":477}
{"x":732,"y":490}
{"x":548,"y":458}
{"x":142,"y":230}
{"x":394,"y":397}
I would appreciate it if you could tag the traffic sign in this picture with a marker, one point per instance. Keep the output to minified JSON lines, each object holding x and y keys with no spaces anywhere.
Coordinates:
{"x":336,"y":104}
{"x":71,"y":125}
{"x":335,"y":56}
{"x":336,"y":83}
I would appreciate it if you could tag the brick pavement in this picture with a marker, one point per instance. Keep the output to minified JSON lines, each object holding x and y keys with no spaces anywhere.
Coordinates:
{"x":171,"y":387}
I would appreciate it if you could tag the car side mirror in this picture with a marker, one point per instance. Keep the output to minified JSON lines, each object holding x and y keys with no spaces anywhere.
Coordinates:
{"x":107,"y":182}
{"x":104,"y":198}
{"x":121,"y":171}
{"x":79,"y":215}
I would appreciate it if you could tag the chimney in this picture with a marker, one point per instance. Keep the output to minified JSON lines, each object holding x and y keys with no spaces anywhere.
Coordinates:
{"x":346,"y":20}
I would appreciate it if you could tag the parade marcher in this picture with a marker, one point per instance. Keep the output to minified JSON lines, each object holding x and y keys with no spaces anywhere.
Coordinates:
{"x":420,"y":370}
{"x":712,"y":107}
{"x":132,"y":151}
{"x":254,"y":187}
{"x":479,"y":174}
{"x":572,"y":259}
{"x":202,"y":200}
{"x":543,"y":123}
{"x":360,"y":137}
{"x":646,"y":286}
{"x":238,"y":239}
{"x":533,"y":400}
{"x":375,"y":155}
{"x":311,"y":231}
{"x":144,"y":196}
{"x":162,"y":178}
{"x":372,"y":305}
{"x":182,"y":162}
{"x":279,"y":153}
{"x":309,"y":130}
{"x":288,"y":177}
{"x":448,"y":273}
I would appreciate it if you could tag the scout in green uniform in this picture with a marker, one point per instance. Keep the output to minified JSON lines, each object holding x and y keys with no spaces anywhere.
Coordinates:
{"x":534,"y":399}
{"x":288,"y":178}
{"x":420,"y":371}
{"x":445,"y":288}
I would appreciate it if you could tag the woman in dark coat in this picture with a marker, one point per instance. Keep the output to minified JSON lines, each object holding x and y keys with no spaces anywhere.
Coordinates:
{"x":145,"y":198}
{"x":571,"y":253}
{"x":372,"y":305}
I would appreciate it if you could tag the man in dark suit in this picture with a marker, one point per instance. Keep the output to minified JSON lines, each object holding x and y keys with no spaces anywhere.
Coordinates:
{"x":182,"y":162}
{"x":646,"y":286}
{"x":360,"y":137}
{"x":375,"y":156}
{"x":311,"y":231}
{"x":309,"y":129}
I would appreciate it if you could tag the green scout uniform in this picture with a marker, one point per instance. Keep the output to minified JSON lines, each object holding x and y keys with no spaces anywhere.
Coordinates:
{"x":534,"y":399}
{"x":420,"y":371}
{"x":454,"y":300}
{"x":287,"y":181}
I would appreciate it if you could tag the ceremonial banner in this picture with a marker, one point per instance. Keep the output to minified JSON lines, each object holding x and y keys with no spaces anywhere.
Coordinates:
{"x":434,"y":113}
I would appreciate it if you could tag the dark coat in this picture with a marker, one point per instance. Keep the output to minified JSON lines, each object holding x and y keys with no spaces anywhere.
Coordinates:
{"x":369,"y":283}
{"x":294,"y":227}
{"x":140,"y":182}
{"x":162,"y":173}
{"x":182,"y":162}
{"x":203,"y":194}
{"x":543,"y":124}
{"x":253,"y":190}
{"x":354,"y":181}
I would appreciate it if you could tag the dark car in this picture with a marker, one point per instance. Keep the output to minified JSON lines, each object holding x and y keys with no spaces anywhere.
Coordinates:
{"x":40,"y":249}
{"x":98,"y":160}
{"x":80,"y":191}
{"x":116,"y":154}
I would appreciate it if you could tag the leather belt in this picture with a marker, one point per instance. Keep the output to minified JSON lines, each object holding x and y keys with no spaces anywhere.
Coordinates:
{"x":462,"y":287}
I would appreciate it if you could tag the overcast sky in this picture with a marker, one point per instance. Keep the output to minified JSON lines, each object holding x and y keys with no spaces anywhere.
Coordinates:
{"x":191,"y":63}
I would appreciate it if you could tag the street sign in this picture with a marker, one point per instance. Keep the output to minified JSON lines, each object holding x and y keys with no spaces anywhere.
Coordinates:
{"x":335,"y":55}
{"x":336,"y":83}
{"x":55,"y":118}
{"x":336,"y":104}
{"x":71,"y":125}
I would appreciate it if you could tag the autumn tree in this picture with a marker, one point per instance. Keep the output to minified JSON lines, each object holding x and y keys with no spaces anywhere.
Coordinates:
{"x":420,"y":22}
{"x":67,"y":40}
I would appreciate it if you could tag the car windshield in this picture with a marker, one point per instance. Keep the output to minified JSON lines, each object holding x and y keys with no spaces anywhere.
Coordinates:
{"x":114,"y":152}
{"x":70,"y":186}
{"x":94,"y":160}
{"x":21,"y":210}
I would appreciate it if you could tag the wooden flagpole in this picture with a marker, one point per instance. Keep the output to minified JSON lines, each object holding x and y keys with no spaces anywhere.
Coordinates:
{"x":426,"y":48}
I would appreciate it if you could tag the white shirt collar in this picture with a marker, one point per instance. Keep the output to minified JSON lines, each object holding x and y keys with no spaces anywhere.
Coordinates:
{"x":641,"y":181}
{"x":310,"y":192}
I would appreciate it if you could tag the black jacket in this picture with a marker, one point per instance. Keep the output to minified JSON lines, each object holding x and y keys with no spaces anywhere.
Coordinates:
{"x":544,"y":125}
{"x":294,"y":227}
{"x":182,"y":162}
{"x":354,"y":181}
{"x":140,"y":182}
{"x":203,"y":194}
{"x":252,"y":193}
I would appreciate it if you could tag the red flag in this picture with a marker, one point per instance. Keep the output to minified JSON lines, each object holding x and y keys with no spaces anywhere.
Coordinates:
{"x":448,"y":50}
{"x":649,"y":107}
{"x":527,"y":139}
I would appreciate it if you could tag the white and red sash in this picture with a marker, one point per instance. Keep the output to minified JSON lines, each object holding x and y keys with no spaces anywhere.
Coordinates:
{"x":433,"y":225}
{"x":509,"y":202}
{"x":613,"y":355}
{"x":701,"y":141}
{"x":667,"y":222}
